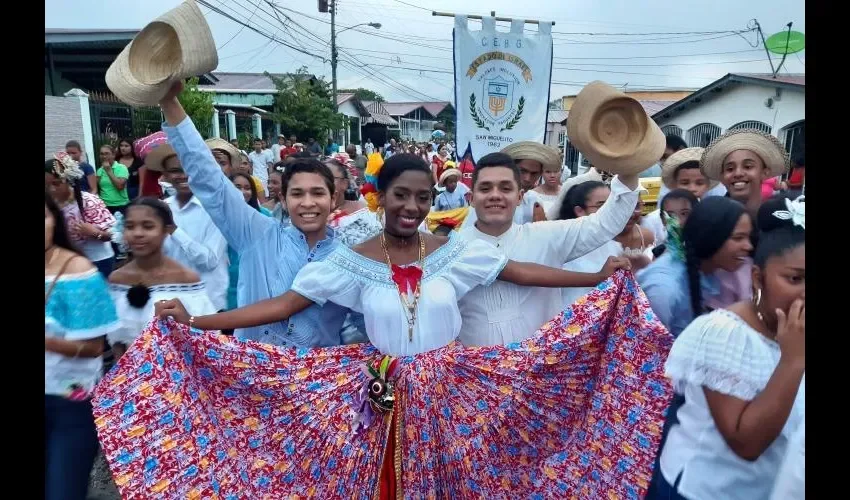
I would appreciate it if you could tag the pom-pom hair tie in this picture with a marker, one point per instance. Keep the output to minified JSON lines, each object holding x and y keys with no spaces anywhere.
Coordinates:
{"x":369,"y":189}
{"x":138,"y":296}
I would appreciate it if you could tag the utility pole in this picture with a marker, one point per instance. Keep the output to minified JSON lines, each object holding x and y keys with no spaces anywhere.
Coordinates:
{"x":332,"y":7}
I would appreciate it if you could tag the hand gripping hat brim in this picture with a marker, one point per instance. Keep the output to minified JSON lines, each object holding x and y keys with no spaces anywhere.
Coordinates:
{"x":613,"y":130}
{"x":175,"y":46}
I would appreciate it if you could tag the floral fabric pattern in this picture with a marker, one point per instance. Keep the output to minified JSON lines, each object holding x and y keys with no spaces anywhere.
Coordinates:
{"x":94,"y":212}
{"x":574,"y":412}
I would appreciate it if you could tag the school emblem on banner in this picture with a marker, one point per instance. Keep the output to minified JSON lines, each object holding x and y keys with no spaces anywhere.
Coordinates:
{"x":501,"y":84}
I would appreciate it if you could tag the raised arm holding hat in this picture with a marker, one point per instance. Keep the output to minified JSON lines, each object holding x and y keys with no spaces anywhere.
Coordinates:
{"x":270,"y":253}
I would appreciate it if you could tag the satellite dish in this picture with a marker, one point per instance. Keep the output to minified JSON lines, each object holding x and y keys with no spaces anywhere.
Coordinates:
{"x":786,"y":42}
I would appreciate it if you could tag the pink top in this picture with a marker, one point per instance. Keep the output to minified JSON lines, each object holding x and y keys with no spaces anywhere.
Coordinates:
{"x":733,"y":287}
{"x":768,"y":187}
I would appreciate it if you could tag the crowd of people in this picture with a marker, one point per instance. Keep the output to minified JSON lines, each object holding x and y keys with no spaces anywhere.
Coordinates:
{"x":297,"y":259}
{"x":390,"y":322}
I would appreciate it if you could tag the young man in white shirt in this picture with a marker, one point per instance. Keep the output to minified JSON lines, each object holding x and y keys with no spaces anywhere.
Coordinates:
{"x":275,"y":149}
{"x":195,"y":242}
{"x":503,"y":312}
{"x":262,"y":163}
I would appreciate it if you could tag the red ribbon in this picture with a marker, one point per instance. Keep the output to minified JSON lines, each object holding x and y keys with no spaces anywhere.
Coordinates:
{"x":406,"y":278}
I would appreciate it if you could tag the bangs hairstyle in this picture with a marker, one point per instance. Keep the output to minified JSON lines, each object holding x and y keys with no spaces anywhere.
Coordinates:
{"x":577,"y":197}
{"x":495,"y":160}
{"x":253,"y":201}
{"x":688,"y":165}
{"x":399,"y":164}
{"x":307,"y":166}
{"x":678,"y":194}
{"x":776,"y":236}
{"x":160,"y":209}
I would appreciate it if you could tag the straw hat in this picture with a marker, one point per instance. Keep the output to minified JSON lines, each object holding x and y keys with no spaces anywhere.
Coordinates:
{"x":674,"y":161}
{"x":613,"y":130}
{"x":177,"y":45}
{"x":153,"y":150}
{"x":232,"y":152}
{"x":548,"y":156}
{"x":449,"y":172}
{"x":766,"y":146}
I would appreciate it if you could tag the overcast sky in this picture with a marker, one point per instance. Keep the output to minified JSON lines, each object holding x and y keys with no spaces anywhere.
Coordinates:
{"x":410,"y":57}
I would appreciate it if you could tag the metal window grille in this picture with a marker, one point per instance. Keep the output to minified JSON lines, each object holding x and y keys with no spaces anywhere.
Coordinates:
{"x":672,"y":130}
{"x":701,"y":135}
{"x":795,"y":138}
{"x":571,"y":157}
{"x":763,"y":127}
{"x":113,"y":120}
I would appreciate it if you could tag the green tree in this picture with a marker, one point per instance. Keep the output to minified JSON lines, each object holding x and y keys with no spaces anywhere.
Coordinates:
{"x":303,"y":105}
{"x":363,"y":94}
{"x":198,"y":105}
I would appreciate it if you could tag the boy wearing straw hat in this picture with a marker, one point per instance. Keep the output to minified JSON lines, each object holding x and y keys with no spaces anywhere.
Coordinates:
{"x":451,"y":197}
{"x":629,"y":142}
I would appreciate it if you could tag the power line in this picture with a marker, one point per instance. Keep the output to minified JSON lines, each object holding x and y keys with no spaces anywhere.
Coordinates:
{"x":414,"y":6}
{"x":267,"y":35}
{"x":662,"y":56}
{"x":239,"y":31}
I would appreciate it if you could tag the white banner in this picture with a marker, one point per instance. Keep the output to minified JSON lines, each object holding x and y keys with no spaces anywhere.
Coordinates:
{"x":501,"y":85}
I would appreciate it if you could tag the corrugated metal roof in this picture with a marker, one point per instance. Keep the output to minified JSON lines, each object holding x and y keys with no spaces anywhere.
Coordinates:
{"x":792,"y":79}
{"x":795,"y":82}
{"x":557,"y":115}
{"x":652,"y":107}
{"x":78,"y":36}
{"x":341,"y":98}
{"x":378,"y":114}
{"x":242,"y":81}
{"x":434,"y":108}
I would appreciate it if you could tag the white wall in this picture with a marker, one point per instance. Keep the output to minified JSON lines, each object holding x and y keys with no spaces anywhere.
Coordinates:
{"x":349,"y":109}
{"x":63,"y":121}
{"x":742,"y":102}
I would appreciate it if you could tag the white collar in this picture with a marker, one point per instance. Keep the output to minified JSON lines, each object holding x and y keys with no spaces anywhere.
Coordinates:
{"x":174,"y":204}
{"x":496,"y":241}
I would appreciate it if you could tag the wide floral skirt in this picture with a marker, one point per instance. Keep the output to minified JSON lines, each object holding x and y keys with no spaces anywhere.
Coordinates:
{"x":576,"y":411}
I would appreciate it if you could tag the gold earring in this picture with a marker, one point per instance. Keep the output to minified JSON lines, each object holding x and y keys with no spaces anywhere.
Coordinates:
{"x":380,"y":214}
{"x":757,"y":304}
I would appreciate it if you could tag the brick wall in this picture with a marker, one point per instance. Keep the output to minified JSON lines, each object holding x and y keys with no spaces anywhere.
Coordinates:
{"x":62,"y":122}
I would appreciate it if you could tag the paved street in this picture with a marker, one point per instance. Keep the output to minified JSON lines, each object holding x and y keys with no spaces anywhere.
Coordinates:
{"x":101,"y":486}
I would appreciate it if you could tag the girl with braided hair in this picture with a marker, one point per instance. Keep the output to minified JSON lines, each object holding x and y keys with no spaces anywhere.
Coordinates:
{"x":716,"y":237}
{"x":87,"y":219}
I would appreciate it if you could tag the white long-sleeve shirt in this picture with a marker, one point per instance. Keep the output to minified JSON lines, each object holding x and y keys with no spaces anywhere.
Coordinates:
{"x":199,"y":245}
{"x":504,"y":312}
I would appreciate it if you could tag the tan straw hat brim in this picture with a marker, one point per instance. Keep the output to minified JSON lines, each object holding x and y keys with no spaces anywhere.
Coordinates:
{"x":766,"y":146}
{"x":177,"y":45}
{"x":157,"y":156}
{"x":674,"y":161}
{"x":449,"y":173}
{"x":548,"y":156}
{"x":613,"y":130}
{"x":232,"y":152}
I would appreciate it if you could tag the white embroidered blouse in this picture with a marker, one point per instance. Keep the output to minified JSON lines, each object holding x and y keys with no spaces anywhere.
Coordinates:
{"x":721,"y":352}
{"x":364,"y":285}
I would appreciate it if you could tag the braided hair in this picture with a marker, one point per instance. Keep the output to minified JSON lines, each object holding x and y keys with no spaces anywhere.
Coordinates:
{"x":710,"y":224}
